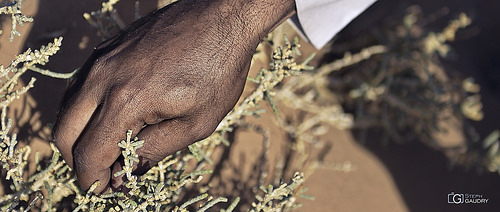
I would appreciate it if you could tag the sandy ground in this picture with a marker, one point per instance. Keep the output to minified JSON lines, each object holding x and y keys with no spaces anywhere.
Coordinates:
{"x":409,"y":177}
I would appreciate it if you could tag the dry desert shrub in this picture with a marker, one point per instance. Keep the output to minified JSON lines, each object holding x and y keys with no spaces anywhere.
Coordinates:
{"x":390,"y":89}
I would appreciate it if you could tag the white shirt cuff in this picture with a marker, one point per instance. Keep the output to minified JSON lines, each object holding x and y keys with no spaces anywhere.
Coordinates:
{"x":323,"y":19}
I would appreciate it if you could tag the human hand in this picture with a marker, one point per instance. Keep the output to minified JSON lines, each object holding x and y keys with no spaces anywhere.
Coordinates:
{"x":170,"y":78}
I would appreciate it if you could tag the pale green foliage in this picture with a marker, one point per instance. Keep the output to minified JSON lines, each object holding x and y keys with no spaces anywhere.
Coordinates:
{"x":280,"y":198}
{"x":283,"y":65}
{"x":436,"y":42}
{"x":153,"y":191}
{"x":492,"y":144}
{"x":322,"y":111}
{"x":14,"y":159}
{"x":405,"y":92}
{"x":13,"y":8}
{"x":405,"y":88}
{"x":106,"y":20}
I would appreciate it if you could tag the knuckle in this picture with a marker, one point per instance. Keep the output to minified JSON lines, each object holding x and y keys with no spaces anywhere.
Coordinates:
{"x":98,"y":69}
{"x":122,"y":95}
{"x":153,"y":118}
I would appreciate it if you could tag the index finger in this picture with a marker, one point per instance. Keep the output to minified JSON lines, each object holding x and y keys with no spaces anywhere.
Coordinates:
{"x":97,"y":147}
{"x":71,"y":122}
{"x":78,"y":105}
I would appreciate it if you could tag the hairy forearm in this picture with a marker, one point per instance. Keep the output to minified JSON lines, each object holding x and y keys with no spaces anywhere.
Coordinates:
{"x":242,"y":20}
{"x":258,"y":17}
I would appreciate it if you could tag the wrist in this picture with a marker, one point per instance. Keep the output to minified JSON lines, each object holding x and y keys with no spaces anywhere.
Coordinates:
{"x":256,"y":18}
{"x":253,"y":19}
{"x":223,"y":24}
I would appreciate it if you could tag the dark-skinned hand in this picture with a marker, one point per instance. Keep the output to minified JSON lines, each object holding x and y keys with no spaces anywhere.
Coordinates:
{"x":171,"y":77}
